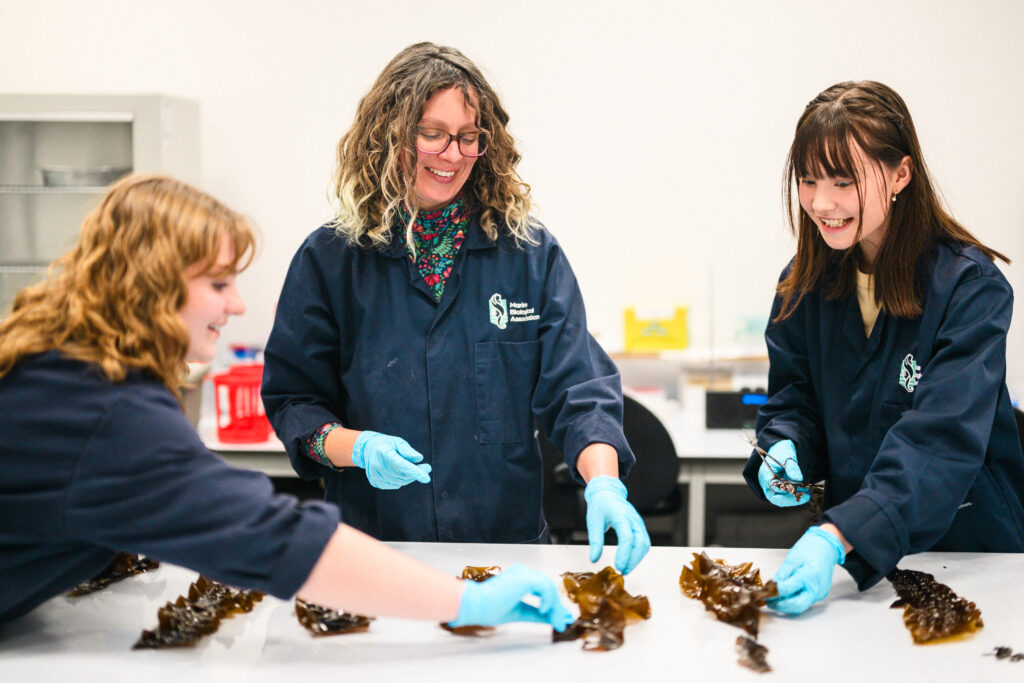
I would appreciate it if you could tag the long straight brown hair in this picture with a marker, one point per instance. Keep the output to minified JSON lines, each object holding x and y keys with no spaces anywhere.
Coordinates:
{"x":873,"y":117}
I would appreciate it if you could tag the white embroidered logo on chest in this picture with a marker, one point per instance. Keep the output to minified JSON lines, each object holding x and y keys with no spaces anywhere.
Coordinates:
{"x":910,"y":373}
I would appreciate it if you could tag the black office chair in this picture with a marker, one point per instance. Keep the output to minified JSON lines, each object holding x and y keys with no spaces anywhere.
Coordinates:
{"x":652,"y":483}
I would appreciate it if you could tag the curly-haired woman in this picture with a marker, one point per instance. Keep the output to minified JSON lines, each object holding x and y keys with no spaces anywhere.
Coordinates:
{"x":97,"y":456}
{"x":435,"y":312}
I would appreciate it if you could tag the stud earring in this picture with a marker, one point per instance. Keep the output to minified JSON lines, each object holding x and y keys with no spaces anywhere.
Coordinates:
{"x":893,"y":197}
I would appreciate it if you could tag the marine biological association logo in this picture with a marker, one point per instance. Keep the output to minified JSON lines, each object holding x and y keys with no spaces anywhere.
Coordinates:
{"x":910,"y":373}
{"x":498,"y":308}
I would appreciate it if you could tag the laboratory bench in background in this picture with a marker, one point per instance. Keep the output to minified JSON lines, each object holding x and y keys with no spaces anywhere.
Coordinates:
{"x":719,"y":508}
{"x":852,"y":636}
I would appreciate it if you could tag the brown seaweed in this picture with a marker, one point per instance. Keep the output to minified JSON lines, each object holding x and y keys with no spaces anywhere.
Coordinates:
{"x":752,"y":654}
{"x":932,"y":610}
{"x":733,"y":593}
{"x":185,"y":621}
{"x":797,"y":489}
{"x":479,"y":575}
{"x":324,"y":621}
{"x":121,"y":567}
{"x":605,"y":609}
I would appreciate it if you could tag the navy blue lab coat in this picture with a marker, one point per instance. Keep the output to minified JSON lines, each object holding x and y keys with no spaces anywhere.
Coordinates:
{"x":89,"y":467}
{"x":358,"y":339}
{"x":911,"y":428}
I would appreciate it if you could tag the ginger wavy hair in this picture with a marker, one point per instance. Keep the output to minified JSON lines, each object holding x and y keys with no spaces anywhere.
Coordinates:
{"x":375,"y":173}
{"x":875,"y":118}
{"x":114,"y":299}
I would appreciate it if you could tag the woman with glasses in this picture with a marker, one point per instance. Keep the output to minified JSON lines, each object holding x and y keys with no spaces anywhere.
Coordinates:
{"x":423,"y":333}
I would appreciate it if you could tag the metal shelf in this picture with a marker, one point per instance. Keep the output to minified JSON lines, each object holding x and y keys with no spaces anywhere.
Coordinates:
{"x":43,"y":189}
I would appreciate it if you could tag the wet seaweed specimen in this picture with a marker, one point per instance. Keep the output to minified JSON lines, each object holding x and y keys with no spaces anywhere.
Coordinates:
{"x":932,"y":610}
{"x":605,"y":609}
{"x":186,"y":620}
{"x":752,"y":654}
{"x":324,"y":621}
{"x":797,"y":489}
{"x":478,"y":574}
{"x":121,"y":567}
{"x":733,"y":593}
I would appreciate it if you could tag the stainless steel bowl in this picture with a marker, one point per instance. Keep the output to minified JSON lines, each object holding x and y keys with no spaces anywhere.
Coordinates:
{"x":97,"y":176}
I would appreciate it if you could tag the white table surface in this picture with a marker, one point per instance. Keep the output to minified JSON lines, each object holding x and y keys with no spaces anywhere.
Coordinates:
{"x":851,"y":637}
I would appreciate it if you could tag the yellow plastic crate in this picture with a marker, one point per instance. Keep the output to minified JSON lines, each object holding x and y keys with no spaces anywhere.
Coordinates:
{"x":656,"y":329}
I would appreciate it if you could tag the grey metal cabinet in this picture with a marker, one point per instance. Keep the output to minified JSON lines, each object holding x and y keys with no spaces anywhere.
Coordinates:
{"x":58,"y":154}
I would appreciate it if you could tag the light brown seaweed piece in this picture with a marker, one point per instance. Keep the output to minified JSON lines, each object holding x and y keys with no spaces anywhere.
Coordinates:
{"x":931,"y":610}
{"x":324,"y":621}
{"x":733,"y":593}
{"x":605,"y":609}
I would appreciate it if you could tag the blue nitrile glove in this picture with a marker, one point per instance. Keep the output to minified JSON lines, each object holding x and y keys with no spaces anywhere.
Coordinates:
{"x":388,"y":461}
{"x":805,"y":576}
{"x":787,"y":467}
{"x":499,"y":600}
{"x":607,"y":507}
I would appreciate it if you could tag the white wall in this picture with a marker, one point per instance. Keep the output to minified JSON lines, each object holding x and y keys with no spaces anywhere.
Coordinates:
{"x":653,"y":133}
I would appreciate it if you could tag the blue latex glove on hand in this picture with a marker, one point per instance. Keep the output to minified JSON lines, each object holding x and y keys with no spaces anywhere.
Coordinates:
{"x":805,"y":576}
{"x":388,"y":461}
{"x":607,"y":507}
{"x":787,"y":467}
{"x":499,"y":600}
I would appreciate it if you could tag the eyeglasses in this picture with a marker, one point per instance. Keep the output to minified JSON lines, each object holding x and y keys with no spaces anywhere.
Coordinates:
{"x":433,"y":141}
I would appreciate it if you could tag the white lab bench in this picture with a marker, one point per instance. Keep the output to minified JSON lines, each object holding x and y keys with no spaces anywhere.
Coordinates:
{"x":852,"y":636}
{"x":707,"y":456}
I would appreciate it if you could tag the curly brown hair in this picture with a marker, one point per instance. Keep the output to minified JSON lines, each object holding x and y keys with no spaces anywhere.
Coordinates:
{"x":114,"y":299}
{"x":371,"y":181}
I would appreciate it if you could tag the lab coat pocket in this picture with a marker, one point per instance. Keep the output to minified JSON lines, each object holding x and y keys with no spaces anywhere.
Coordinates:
{"x":506,"y":373}
{"x":889,"y":414}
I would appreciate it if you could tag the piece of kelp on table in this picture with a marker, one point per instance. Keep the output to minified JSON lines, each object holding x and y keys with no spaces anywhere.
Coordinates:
{"x":605,"y":609}
{"x":186,"y":620}
{"x":931,"y":610}
{"x":733,"y":593}
{"x":752,"y":654}
{"x":121,"y":567}
{"x":479,"y":575}
{"x":324,"y":621}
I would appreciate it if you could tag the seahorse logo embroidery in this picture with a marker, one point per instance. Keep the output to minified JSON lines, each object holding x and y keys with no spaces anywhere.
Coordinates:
{"x":499,"y":311}
{"x":910,"y":373}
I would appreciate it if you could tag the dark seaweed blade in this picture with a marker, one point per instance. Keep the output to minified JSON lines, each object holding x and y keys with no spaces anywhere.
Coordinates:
{"x":931,"y":610}
{"x":324,"y":621}
{"x":185,"y":621}
{"x":121,"y":567}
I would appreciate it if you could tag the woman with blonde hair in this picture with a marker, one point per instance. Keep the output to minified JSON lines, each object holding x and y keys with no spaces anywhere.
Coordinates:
{"x":97,"y":456}
{"x":423,"y":333}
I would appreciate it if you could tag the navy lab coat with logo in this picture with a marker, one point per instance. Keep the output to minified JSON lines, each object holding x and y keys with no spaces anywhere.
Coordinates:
{"x":358,"y":339}
{"x":936,"y":468}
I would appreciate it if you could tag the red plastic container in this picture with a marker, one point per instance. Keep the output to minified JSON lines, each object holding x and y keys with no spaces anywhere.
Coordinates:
{"x":240,"y":414}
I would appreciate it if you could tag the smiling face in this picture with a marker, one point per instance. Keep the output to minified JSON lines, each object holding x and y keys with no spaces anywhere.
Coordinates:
{"x":440,"y":177}
{"x":211,"y":299}
{"x":845,"y":217}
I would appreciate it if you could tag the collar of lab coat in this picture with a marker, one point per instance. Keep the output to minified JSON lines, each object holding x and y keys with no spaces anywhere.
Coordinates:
{"x":475,"y":239}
